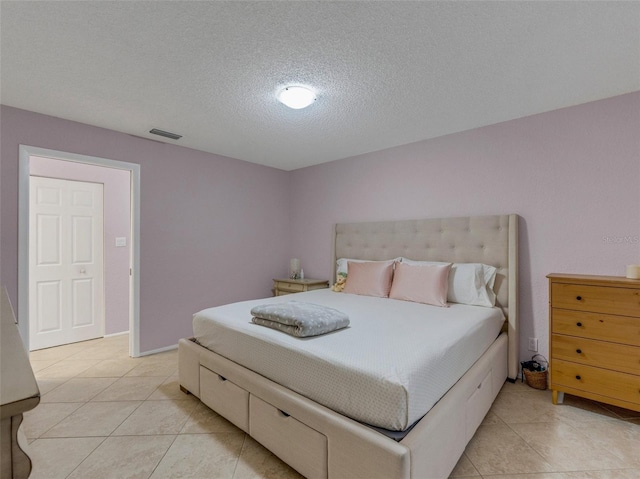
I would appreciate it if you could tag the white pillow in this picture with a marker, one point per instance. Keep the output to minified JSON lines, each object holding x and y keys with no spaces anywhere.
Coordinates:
{"x":469,"y":283}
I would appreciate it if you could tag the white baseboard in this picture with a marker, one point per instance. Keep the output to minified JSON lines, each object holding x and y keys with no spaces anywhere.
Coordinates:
{"x":159,"y":350}
{"x":116,"y":334}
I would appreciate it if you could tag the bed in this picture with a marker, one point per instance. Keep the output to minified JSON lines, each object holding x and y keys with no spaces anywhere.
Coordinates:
{"x":315,"y":432}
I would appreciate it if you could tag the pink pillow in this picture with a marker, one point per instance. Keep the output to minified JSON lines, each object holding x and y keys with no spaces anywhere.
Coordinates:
{"x":427,"y":284}
{"x":372,"y":278}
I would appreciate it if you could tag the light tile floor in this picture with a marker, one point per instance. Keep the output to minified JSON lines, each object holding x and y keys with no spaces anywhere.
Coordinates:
{"x":105,"y":415}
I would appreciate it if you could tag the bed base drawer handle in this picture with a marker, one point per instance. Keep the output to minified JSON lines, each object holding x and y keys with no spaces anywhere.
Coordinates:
{"x":221,"y":378}
{"x":283,"y":414}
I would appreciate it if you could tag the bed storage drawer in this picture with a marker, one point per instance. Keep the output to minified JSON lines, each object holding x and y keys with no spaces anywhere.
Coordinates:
{"x":305,"y":449}
{"x":225,"y":398}
{"x":478,"y":405}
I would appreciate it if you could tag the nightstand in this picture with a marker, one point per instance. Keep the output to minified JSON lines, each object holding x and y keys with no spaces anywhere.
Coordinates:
{"x":288,"y":286}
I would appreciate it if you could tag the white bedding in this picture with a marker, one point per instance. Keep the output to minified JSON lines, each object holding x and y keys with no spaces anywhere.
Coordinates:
{"x":387,"y":369}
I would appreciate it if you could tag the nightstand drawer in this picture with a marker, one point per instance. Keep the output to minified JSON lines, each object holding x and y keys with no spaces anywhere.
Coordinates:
{"x":291,"y":287}
{"x":596,"y":353}
{"x":625,"y":387}
{"x":617,"y":329}
{"x":596,"y":299}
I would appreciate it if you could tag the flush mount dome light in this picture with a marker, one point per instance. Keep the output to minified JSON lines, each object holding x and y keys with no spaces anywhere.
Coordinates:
{"x":296,"y":97}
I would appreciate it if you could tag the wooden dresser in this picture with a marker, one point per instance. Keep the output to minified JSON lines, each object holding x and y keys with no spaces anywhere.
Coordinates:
{"x":288,"y":286}
{"x":594,"y":325}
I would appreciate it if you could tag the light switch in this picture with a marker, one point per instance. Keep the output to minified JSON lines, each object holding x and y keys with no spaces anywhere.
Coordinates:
{"x":121,"y":241}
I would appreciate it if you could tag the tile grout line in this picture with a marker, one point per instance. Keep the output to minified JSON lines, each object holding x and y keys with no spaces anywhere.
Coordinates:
{"x":523,"y":439}
{"x":576,"y":430}
{"x":54,"y":425}
{"x":534,"y":449}
{"x":87,"y":456}
{"x":175,"y":435}
{"x":235,"y":468}
{"x":163,"y":455}
{"x":90,"y":400}
{"x":104,"y":438}
{"x":524,"y":392}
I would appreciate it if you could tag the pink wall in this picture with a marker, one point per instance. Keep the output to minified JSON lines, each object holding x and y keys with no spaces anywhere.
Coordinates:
{"x":117,"y":223}
{"x":216,"y":230}
{"x":213,"y":229}
{"x":573,"y":175}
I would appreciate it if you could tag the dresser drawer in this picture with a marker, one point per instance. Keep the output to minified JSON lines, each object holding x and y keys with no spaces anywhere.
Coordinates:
{"x":617,"y":329}
{"x":305,"y":449}
{"x":596,"y":299}
{"x":617,"y":385}
{"x":596,"y":353}
{"x":224,"y":397}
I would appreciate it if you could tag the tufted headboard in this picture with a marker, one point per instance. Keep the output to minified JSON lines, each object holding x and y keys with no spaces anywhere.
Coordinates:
{"x":490,"y":240}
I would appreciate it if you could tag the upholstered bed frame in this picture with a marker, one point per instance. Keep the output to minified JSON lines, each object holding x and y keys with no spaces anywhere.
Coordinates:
{"x":321,"y":443}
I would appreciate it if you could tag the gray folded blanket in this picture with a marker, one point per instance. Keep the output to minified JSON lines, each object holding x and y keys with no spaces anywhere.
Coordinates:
{"x":299,"y":319}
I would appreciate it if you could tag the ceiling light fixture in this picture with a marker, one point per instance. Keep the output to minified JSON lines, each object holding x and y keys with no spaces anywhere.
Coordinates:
{"x":296,"y":97}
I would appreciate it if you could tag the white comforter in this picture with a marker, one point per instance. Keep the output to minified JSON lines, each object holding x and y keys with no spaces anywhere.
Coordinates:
{"x":387,"y":369}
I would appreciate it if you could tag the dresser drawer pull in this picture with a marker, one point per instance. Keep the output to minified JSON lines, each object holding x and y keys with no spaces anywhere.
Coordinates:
{"x":579,"y":298}
{"x":579,"y":324}
{"x":579,"y":351}
{"x":578,"y":377}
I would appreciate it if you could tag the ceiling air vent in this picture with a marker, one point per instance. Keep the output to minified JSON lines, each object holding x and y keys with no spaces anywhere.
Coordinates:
{"x":166,"y":134}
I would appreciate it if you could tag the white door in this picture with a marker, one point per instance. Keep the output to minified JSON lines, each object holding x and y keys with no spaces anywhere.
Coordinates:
{"x":66,"y":285}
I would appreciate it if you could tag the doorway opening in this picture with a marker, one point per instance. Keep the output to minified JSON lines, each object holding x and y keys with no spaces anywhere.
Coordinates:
{"x":31,"y":158}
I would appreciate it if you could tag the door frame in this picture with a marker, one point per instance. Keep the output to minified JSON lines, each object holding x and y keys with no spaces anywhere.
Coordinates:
{"x":23,"y":236}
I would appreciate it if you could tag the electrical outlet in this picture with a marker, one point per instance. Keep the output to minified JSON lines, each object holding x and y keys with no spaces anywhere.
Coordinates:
{"x":533,"y":344}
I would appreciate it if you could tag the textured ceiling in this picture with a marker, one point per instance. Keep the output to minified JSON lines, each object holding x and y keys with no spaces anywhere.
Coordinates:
{"x":386,"y":73}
